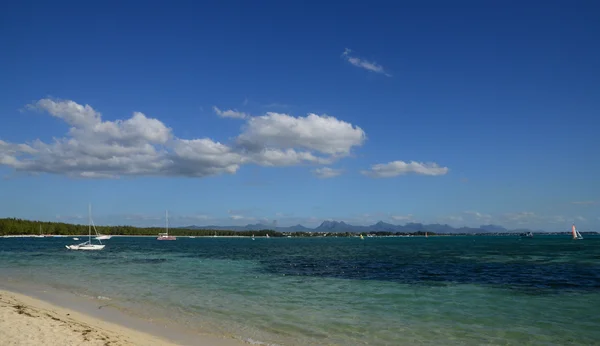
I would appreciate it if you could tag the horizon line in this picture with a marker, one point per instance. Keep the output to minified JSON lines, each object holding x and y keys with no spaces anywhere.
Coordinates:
{"x":299,"y":224}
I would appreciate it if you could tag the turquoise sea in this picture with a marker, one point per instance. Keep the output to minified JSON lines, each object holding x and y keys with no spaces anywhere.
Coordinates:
{"x":467,"y":290}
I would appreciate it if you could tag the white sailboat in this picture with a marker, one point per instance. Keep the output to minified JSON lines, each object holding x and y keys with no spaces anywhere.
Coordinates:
{"x":575,"y":233}
{"x":103,"y":237}
{"x":88,"y":244}
{"x":166,"y":236}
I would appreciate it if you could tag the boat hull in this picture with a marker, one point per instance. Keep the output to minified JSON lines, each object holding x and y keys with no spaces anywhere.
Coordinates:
{"x":85,"y":247}
{"x":103,"y":237}
{"x":166,"y":238}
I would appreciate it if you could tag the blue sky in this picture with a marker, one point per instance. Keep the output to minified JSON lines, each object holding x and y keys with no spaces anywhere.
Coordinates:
{"x":465,"y":113}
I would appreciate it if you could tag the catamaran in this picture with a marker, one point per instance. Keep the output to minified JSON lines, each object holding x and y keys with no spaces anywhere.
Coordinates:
{"x":575,"y":233}
{"x":88,"y":244}
{"x":166,"y":236}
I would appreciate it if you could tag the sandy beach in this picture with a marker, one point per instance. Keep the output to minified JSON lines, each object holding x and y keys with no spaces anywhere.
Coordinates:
{"x":28,"y":321}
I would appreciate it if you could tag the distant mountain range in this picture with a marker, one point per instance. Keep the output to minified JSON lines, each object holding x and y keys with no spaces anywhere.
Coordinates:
{"x":341,"y":226}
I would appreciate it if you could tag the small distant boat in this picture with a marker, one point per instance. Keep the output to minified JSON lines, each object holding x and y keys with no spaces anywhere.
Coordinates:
{"x":253,"y":237}
{"x":426,"y":235}
{"x":527,"y":235}
{"x":88,"y":244}
{"x":268,"y":235}
{"x":214,"y":236}
{"x":192,"y":237}
{"x":166,"y":236}
{"x":103,"y":237}
{"x":361,"y":237}
{"x":78,"y":238}
{"x":575,"y":233}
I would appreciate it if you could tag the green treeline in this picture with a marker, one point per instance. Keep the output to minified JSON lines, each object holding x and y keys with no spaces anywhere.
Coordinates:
{"x":13,"y":226}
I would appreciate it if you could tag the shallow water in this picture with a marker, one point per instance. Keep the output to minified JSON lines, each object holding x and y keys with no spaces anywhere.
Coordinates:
{"x":342,"y":291}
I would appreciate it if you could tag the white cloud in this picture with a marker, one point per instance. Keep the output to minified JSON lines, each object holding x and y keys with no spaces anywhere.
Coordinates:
{"x":396,"y":168}
{"x":287,"y":157}
{"x":364,"y":64}
{"x":143,"y":146}
{"x":327,"y":172}
{"x":408,"y":217}
{"x":231,"y":113}
{"x":321,"y":133}
{"x":71,"y":112}
{"x":240,"y":214}
{"x":477,"y":215}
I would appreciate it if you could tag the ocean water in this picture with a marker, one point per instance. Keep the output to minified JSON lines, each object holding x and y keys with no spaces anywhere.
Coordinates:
{"x":336,"y":291}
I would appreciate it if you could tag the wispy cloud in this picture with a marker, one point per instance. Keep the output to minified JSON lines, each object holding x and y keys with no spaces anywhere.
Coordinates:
{"x":364,"y":64}
{"x":584,"y":202}
{"x":242,"y":214}
{"x":477,"y":215}
{"x":408,"y":217}
{"x":276,"y":105}
{"x":521,"y":218}
{"x":396,"y":168}
{"x":326,"y":172}
{"x":522,"y":215}
{"x":450,"y":218}
{"x":230,"y":113}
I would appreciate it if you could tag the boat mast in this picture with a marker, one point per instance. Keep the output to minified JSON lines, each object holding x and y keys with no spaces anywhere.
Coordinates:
{"x":167,"y":221}
{"x":90,"y":223}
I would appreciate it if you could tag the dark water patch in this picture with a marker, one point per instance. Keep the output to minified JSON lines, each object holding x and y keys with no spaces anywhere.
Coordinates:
{"x":547,"y":277}
{"x":494,"y":264}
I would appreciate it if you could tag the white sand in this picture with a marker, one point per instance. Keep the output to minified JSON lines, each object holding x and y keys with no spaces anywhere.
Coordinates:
{"x":28,"y":321}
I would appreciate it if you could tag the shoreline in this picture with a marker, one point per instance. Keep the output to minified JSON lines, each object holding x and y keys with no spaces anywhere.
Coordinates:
{"x":62,"y":319}
{"x":125,"y":236}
